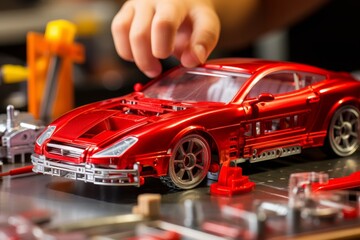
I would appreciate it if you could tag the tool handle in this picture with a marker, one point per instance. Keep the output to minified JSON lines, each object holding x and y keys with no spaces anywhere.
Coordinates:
{"x":21,"y":170}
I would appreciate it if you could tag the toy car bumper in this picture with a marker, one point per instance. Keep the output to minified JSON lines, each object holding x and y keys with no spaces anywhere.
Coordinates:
{"x":87,"y":172}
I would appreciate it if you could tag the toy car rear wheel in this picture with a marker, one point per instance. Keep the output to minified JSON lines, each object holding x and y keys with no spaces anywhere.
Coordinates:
{"x":343,"y":133}
{"x":189,"y":163}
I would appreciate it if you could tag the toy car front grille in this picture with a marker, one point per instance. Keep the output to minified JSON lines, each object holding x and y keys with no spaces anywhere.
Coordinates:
{"x":64,"y":150}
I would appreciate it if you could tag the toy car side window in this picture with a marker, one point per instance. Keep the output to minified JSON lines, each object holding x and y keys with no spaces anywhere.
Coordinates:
{"x":284,"y":82}
{"x":306,"y":79}
{"x":276,"y":83}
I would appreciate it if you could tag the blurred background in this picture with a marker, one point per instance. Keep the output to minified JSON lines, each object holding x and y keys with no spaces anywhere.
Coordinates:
{"x":329,"y":38}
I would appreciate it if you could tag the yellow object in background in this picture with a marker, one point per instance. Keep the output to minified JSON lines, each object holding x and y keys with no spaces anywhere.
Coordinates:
{"x":60,"y":31}
{"x":88,"y":25}
{"x":13,"y":73}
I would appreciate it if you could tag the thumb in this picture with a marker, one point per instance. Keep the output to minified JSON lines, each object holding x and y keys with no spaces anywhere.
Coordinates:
{"x":204,"y":37}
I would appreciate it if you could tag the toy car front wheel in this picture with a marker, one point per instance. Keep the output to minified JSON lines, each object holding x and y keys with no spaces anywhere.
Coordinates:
{"x":189,"y":163}
{"x":343,"y":134}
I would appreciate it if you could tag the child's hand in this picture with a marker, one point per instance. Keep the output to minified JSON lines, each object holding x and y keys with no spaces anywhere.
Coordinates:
{"x":147,"y":30}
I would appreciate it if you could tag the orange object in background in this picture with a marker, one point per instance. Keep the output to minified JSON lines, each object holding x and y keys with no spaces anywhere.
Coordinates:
{"x":56,"y":45}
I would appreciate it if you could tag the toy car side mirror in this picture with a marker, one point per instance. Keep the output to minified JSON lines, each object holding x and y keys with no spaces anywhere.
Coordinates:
{"x":265,"y":97}
{"x":138,"y":87}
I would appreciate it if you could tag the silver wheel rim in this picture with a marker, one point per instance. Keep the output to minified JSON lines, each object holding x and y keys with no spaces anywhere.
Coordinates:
{"x":344,"y":131}
{"x":189,"y":162}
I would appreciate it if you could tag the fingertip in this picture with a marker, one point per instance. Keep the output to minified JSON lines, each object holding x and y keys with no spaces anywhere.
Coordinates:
{"x":205,"y":35}
{"x":200,"y":53}
{"x":152,"y":73}
{"x":188,"y":61}
{"x":194,"y":56}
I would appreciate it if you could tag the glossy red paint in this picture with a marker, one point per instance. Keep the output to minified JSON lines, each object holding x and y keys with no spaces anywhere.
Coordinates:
{"x":231,"y":182}
{"x":341,"y":183}
{"x":187,"y":121}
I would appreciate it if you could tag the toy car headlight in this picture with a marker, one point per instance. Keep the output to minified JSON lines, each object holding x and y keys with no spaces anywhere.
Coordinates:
{"x":117,"y":149}
{"x":45,"y":135}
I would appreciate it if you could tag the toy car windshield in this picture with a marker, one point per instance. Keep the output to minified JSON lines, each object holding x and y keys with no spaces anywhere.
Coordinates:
{"x":197,"y":85}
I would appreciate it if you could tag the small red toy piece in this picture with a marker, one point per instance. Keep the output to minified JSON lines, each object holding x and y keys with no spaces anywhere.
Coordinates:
{"x":188,"y":120}
{"x":17,"y":171}
{"x":306,"y":189}
{"x":157,"y":235}
{"x":341,"y":183}
{"x":231,"y":182}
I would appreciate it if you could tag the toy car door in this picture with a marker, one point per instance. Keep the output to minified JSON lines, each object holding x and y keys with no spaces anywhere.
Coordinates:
{"x":283,"y":107}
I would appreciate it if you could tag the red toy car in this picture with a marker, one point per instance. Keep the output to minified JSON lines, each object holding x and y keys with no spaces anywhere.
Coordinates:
{"x":187,"y":122}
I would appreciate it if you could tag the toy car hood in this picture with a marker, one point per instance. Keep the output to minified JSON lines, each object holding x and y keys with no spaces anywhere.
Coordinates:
{"x":100,"y":123}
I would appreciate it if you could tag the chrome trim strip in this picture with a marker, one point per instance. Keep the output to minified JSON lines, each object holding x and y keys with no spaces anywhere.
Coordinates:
{"x":64,"y":150}
{"x":87,"y":173}
{"x":275,"y":153}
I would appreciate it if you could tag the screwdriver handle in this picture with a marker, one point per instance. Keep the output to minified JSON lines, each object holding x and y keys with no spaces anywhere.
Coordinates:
{"x":18,"y":171}
{"x":21,"y":170}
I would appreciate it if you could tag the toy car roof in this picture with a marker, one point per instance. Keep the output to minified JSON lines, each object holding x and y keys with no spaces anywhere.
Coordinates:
{"x":253,"y":65}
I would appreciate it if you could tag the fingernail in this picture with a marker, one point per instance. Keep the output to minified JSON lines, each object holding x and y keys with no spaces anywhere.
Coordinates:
{"x":151,"y":74}
{"x":200,"y":52}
